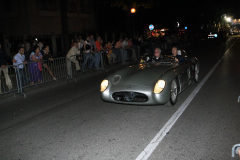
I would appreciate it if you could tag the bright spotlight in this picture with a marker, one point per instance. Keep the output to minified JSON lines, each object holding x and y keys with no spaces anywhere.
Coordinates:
{"x":228,"y":19}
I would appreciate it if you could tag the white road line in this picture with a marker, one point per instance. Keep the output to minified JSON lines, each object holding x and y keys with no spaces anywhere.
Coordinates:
{"x":146,"y":153}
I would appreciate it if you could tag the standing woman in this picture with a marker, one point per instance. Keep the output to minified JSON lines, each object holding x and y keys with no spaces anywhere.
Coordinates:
{"x":35,"y":67}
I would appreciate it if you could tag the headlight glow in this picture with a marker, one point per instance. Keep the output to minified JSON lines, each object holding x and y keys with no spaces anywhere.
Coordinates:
{"x":104,"y":85}
{"x":159,"y":86}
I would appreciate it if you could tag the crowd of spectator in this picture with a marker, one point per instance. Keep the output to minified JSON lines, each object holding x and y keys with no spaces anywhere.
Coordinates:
{"x":38,"y":59}
{"x":113,"y":52}
{"x":121,"y":51}
{"x":94,"y":52}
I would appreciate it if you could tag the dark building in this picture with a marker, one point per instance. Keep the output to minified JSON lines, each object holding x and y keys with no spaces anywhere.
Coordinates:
{"x":28,"y":19}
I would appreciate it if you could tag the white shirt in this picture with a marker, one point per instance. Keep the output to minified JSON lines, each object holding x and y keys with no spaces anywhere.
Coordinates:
{"x":87,"y":43}
{"x":72,"y":52}
{"x":20,"y":59}
{"x":40,"y":45}
{"x":80,"y":45}
{"x":125,"y":44}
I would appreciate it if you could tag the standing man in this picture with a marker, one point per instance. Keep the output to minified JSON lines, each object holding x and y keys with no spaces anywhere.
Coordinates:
{"x":92,"y":42}
{"x":99,"y":48}
{"x":4,"y":59}
{"x":80,"y":44}
{"x":125,"y":50}
{"x":71,"y":57}
{"x":19,"y":62}
{"x":87,"y":54}
{"x":118,"y":50}
{"x":27,"y":48}
{"x":125,"y":43}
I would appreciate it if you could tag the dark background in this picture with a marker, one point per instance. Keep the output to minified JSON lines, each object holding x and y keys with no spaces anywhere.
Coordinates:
{"x":115,"y":15}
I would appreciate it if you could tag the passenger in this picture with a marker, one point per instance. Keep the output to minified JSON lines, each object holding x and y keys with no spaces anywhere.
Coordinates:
{"x":177,"y":57}
{"x":157,"y":55}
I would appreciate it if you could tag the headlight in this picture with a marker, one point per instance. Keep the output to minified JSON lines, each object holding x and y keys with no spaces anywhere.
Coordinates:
{"x":104,"y":85}
{"x":159,"y":86}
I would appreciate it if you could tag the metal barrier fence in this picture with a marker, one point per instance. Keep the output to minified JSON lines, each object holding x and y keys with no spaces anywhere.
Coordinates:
{"x":35,"y":73}
{"x":17,"y":78}
{"x":84,"y":62}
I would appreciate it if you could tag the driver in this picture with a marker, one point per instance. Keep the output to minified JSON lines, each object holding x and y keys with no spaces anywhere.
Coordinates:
{"x":157,"y":55}
{"x":178,"y":58}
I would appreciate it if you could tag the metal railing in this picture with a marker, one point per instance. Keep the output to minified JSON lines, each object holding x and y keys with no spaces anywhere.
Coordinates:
{"x":35,"y":73}
{"x":17,"y":78}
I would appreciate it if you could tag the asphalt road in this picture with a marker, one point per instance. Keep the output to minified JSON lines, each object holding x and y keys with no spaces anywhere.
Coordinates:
{"x":69,"y":121}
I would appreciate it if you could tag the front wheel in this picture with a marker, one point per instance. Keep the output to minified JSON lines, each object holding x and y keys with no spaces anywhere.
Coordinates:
{"x":173,"y":93}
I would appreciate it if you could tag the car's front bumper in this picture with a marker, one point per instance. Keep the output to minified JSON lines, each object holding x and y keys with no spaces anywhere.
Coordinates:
{"x":152,"y":98}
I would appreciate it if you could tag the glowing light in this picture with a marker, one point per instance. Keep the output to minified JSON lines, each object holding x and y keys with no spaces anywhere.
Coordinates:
{"x":151,"y":27}
{"x":133,"y":10}
{"x":159,"y":86}
{"x":228,"y":19}
{"x":104,"y":85}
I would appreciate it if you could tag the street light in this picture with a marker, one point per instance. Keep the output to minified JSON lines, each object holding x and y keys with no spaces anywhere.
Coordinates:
{"x":228,"y":19}
{"x":133,"y":11}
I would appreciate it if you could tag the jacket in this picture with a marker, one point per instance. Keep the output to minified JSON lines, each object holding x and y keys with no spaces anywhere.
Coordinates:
{"x":4,"y":58}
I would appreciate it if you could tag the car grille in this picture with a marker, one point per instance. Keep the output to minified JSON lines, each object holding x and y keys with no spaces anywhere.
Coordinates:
{"x":130,"y":97}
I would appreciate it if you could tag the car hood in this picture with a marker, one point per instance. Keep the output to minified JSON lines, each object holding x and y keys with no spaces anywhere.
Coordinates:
{"x":142,"y":74}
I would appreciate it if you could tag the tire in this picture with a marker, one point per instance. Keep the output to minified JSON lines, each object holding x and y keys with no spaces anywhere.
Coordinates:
{"x":196,"y":73}
{"x":173,"y":93}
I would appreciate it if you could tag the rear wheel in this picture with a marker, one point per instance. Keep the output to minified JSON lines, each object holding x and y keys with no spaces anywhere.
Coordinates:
{"x":196,"y":73}
{"x":173,"y":93}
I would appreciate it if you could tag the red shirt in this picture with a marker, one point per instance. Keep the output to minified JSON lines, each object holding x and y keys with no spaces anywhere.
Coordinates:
{"x":98,"y":46}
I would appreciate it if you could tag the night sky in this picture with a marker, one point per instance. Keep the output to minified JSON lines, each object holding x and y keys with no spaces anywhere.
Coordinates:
{"x":164,"y":13}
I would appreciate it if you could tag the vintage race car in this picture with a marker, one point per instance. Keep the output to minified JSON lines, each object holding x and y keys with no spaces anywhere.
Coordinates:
{"x":150,"y":83}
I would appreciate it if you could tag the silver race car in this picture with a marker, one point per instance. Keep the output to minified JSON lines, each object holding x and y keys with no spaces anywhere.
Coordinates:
{"x":150,"y":83}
